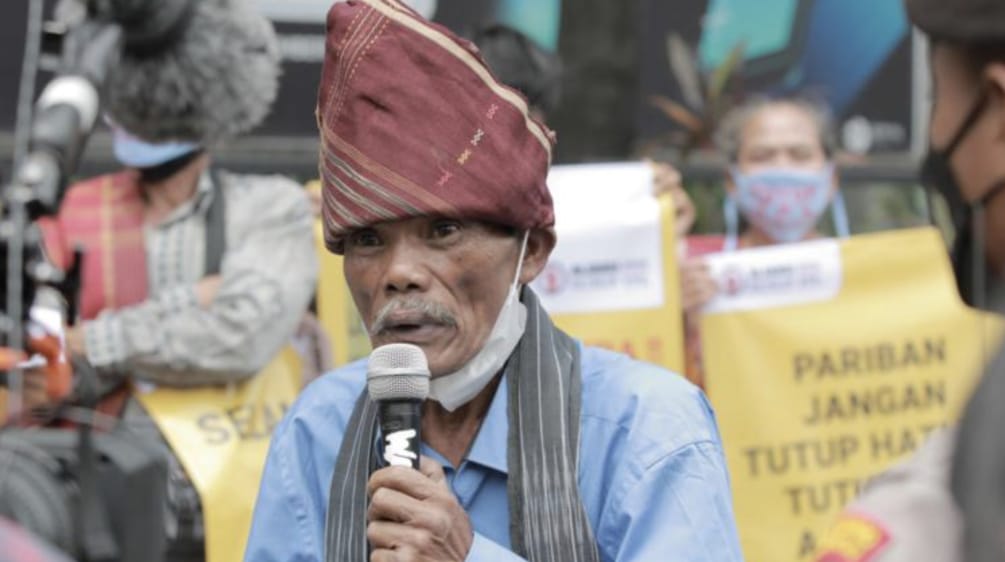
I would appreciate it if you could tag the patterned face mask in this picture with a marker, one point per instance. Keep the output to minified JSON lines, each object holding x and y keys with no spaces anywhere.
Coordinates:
{"x":783,"y":203}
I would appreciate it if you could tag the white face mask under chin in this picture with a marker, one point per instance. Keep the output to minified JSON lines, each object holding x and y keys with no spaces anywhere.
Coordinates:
{"x":458,"y":388}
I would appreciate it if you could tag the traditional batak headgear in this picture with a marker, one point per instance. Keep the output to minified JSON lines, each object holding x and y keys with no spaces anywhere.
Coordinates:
{"x":413,"y":123}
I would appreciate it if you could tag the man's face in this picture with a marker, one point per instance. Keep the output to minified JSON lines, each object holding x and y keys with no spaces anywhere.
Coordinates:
{"x":780,"y":136}
{"x":955,"y":91}
{"x":434,"y":282}
{"x":977,"y":161}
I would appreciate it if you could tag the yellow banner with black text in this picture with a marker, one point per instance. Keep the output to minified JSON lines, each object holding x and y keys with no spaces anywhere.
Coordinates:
{"x":826,"y":362}
{"x":221,"y":437}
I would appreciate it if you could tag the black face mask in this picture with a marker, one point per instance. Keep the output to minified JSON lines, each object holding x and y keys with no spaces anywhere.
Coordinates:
{"x":968,"y":258}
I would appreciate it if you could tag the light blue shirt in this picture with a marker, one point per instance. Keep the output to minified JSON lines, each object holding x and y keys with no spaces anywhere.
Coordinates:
{"x":652,"y":476}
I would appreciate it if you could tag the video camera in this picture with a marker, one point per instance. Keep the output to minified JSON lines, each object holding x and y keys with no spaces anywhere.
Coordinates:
{"x":98,"y":496}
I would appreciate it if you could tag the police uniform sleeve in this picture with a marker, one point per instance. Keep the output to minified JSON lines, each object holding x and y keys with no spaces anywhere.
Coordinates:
{"x":905,"y":514}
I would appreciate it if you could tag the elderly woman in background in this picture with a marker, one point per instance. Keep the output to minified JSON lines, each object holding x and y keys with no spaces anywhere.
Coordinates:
{"x":780,"y":181}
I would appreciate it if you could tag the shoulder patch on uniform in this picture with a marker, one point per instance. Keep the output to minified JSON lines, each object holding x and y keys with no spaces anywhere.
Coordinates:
{"x":854,"y":538}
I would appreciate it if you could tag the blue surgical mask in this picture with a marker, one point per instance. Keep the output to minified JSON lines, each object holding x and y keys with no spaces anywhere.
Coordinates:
{"x":136,"y":153}
{"x":784,"y":203}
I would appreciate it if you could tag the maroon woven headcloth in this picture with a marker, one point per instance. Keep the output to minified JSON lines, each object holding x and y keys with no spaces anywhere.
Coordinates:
{"x":413,"y":123}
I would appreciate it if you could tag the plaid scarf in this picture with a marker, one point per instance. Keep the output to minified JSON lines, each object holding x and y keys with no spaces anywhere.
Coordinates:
{"x":104,"y":216}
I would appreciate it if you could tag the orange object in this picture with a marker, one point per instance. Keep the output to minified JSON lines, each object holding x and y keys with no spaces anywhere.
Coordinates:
{"x":9,"y":358}
{"x":58,"y":375}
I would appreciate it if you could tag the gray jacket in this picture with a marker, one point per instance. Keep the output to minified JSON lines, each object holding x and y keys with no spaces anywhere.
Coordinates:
{"x":909,"y":510}
{"x":269,"y":271}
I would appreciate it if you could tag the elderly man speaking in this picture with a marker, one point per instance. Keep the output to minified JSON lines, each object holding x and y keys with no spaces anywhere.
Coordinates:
{"x":534,"y":446}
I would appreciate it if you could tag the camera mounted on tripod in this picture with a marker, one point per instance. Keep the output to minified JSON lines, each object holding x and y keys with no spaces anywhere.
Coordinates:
{"x":97,"y":495}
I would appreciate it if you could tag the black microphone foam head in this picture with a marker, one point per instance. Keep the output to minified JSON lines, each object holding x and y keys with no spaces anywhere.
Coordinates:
{"x":147,"y":24}
{"x":397,"y":371}
{"x":218,"y":79}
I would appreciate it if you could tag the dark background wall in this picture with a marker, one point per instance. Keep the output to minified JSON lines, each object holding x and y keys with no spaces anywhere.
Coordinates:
{"x":614,"y":54}
{"x":599,"y":45}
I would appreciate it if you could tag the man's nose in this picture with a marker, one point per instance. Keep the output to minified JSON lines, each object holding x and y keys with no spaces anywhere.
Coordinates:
{"x":407,"y":270}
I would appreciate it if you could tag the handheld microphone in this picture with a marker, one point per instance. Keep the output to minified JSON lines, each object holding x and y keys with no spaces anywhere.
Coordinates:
{"x":397,"y":379}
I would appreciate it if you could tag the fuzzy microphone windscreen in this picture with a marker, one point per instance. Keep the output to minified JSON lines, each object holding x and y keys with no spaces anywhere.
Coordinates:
{"x":216,"y":80}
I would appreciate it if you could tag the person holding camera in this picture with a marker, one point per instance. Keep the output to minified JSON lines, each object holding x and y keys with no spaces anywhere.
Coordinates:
{"x":192,"y":276}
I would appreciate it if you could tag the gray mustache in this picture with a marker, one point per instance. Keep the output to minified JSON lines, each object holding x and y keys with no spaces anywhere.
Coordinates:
{"x":428,"y":312}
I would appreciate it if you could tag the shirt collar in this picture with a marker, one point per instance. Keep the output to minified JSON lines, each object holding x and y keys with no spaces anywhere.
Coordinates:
{"x":199,"y":202}
{"x":492,"y":442}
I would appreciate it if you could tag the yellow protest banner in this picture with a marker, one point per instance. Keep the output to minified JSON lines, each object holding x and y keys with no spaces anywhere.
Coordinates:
{"x":650,"y":334}
{"x":612,"y":281}
{"x":221,"y":436}
{"x":336,"y":311}
{"x":826,"y":362}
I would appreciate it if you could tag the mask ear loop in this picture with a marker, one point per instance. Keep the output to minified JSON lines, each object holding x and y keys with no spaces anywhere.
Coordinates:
{"x":519,"y":263}
{"x":731,"y":212}
{"x":839,"y":214}
{"x":732,"y":215}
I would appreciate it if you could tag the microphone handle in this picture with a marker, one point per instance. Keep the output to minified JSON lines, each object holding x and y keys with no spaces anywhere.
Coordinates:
{"x":400,"y":429}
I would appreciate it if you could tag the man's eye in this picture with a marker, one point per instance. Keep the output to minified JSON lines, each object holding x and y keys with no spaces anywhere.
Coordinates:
{"x":364,"y":239}
{"x":442,"y":229}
